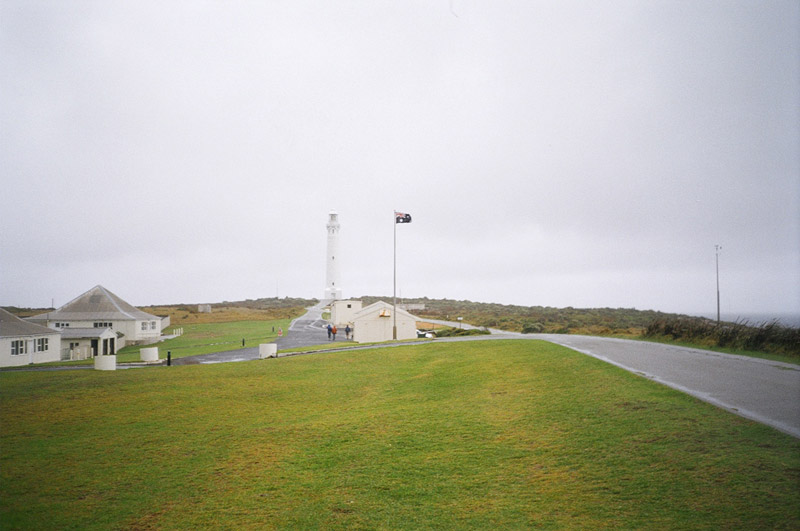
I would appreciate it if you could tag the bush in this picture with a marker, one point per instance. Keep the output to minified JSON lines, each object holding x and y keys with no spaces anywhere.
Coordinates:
{"x":532,"y":328}
{"x":457,"y":332}
{"x":766,"y":337}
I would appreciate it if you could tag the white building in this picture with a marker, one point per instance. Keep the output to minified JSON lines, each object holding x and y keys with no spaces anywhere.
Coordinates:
{"x":343,"y":312}
{"x":99,"y":308}
{"x":22,"y":343}
{"x":333,"y":287}
{"x":375,"y":322}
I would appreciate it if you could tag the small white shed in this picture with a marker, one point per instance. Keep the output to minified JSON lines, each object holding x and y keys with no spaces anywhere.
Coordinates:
{"x":375,"y":322}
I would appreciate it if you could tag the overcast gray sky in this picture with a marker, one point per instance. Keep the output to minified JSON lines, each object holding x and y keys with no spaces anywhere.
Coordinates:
{"x":585,"y":154}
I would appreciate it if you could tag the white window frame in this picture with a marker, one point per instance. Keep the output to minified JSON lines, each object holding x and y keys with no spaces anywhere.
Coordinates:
{"x":19,"y":347}
{"x":42,"y":344}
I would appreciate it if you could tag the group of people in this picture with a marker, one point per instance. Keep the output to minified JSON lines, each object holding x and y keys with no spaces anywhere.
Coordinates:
{"x":332,"y":332}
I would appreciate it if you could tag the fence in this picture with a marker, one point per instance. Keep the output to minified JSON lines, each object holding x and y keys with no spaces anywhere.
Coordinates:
{"x":77,"y":353}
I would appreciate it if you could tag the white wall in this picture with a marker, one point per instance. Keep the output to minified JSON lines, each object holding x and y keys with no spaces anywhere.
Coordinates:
{"x":131,"y":329}
{"x":372,"y":328}
{"x":341,"y":315}
{"x":53,"y":352}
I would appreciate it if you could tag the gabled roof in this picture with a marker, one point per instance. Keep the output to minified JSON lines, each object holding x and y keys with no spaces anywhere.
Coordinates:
{"x":378,"y":306}
{"x":86,"y":333}
{"x":13,"y":326}
{"x":97,"y":304}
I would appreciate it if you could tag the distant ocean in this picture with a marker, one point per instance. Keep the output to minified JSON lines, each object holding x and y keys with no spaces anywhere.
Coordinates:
{"x":785,"y":319}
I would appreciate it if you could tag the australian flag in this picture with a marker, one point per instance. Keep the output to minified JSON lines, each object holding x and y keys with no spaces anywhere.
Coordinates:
{"x":400,"y":217}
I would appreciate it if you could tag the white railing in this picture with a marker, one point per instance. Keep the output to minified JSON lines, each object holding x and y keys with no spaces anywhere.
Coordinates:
{"x":77,"y":353}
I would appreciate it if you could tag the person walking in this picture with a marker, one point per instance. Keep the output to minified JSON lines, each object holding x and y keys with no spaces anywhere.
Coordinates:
{"x":334,"y":332}
{"x":347,"y":332}
{"x":330,"y":330}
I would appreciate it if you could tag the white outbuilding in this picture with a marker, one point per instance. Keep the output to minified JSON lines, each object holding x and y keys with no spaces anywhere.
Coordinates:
{"x":375,"y":322}
{"x":22,"y":343}
{"x":99,"y":308}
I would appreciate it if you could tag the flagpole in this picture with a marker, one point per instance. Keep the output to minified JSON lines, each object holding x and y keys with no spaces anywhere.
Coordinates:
{"x":394,"y":281}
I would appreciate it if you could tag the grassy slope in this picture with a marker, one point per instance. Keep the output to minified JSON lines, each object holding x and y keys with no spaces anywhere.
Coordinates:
{"x":496,"y":434}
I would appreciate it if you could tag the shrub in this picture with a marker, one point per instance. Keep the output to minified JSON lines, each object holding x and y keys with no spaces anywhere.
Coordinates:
{"x":457,"y":332}
{"x":532,"y":328}
{"x":767,"y":337}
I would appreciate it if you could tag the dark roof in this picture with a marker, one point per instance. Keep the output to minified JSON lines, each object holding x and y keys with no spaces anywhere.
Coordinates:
{"x":13,"y":326}
{"x":97,"y":304}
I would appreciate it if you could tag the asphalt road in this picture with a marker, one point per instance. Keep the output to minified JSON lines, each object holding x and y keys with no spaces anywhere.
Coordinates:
{"x":308,"y":330}
{"x":761,"y":390}
{"x":305,"y":331}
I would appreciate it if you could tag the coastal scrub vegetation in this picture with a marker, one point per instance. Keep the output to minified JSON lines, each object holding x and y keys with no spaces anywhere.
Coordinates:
{"x":765,"y":337}
{"x":537,"y":319}
{"x":264,"y":309}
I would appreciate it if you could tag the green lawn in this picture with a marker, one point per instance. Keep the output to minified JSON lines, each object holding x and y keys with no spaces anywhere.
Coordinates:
{"x":495,"y":434}
{"x":212,"y":337}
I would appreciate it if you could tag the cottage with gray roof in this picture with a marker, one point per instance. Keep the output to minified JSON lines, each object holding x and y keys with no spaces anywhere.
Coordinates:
{"x":22,"y":343}
{"x":98,"y":308}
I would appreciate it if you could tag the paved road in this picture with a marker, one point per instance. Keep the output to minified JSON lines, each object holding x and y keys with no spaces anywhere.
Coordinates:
{"x":305,"y":331}
{"x":761,"y":390}
{"x":308,"y":330}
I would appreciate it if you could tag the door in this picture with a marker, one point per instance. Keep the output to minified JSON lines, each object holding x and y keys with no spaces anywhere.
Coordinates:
{"x":95,"y":344}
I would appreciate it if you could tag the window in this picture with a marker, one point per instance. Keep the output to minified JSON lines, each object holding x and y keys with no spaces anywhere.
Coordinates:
{"x":18,"y":347}
{"x":102,"y":325}
{"x":42,"y":344}
{"x":62,"y":325}
{"x":152,"y":325}
{"x":144,"y":325}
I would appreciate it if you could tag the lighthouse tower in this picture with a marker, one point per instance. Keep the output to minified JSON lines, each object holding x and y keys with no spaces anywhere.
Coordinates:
{"x":333,"y":289}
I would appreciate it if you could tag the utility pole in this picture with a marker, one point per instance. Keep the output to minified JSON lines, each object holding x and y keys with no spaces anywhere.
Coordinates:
{"x":717,"y":248}
{"x":394,"y":281}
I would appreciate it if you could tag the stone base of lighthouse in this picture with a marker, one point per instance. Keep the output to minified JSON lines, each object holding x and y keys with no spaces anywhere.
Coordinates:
{"x":333,"y":294}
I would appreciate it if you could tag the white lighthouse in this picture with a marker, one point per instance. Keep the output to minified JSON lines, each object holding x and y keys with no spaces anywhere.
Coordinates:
{"x":333,"y":289}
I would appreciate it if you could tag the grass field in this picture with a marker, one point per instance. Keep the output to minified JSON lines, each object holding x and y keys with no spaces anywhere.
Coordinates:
{"x":211,"y":337}
{"x":500,"y":434}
